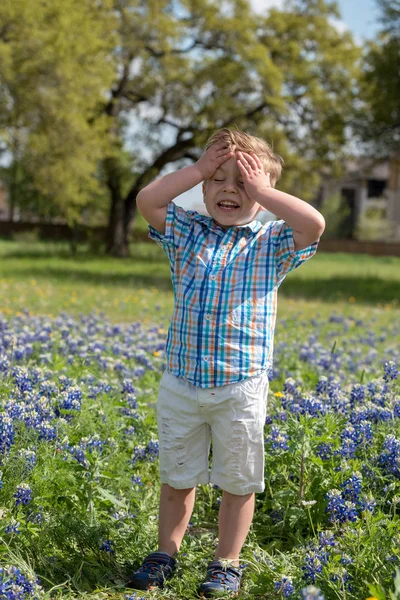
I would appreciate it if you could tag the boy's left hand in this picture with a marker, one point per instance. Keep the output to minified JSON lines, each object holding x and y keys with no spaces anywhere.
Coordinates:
{"x":254,"y":177}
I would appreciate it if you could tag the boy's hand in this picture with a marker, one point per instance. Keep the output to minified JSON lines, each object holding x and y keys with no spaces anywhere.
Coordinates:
{"x":254,"y":177}
{"x":213,"y":158}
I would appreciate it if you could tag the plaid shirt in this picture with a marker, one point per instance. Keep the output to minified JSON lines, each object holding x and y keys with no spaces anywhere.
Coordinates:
{"x":225,"y":290}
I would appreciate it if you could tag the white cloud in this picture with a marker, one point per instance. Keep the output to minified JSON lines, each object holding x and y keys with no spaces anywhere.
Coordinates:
{"x":340,"y":25}
{"x":262,"y":6}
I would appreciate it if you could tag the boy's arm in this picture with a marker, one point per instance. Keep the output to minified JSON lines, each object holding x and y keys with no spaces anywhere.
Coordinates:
{"x":153,"y":199}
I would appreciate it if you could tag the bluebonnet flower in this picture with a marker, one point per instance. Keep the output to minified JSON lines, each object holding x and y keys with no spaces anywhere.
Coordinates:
{"x":345,"y":579}
{"x":127,"y":387}
{"x":389,"y":459}
{"x":107,"y":546}
{"x":357,"y":394}
{"x":346,"y":559}
{"x":277,"y":438}
{"x":289,"y":386}
{"x":353,"y":436}
{"x":367,"y":503}
{"x":284,"y":586}
{"x":7,"y":433}
{"x":326,"y":539}
{"x":15,"y":585}
{"x":352,"y":487}
{"x":340,"y":510}
{"x":276,"y":516}
{"x":152,"y":450}
{"x":391,"y":372}
{"x":312,"y":593}
{"x":322,"y":385}
{"x":23,"y":495}
{"x":13,"y":528}
{"x":312,"y":566}
{"x":21,"y":378}
{"x":324,"y":451}
{"x":4,"y":364}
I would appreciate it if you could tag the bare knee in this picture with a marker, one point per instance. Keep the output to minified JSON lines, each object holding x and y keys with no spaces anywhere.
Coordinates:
{"x":173,"y":493}
{"x":230,"y":498}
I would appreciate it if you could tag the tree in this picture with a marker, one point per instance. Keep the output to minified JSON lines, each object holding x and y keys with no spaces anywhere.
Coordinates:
{"x":189,"y":67}
{"x":55,"y":69}
{"x":377,"y":121}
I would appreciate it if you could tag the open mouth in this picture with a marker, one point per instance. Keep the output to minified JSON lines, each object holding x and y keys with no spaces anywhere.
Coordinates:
{"x":228,"y":206}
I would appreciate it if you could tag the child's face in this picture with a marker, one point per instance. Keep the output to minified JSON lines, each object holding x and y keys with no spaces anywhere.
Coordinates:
{"x":227,"y":184}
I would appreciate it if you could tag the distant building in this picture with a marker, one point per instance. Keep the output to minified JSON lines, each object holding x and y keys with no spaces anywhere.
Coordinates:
{"x":368,"y":183}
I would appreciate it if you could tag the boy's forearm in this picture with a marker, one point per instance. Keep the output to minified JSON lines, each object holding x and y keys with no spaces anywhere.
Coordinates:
{"x":298,"y":214}
{"x":164,"y":189}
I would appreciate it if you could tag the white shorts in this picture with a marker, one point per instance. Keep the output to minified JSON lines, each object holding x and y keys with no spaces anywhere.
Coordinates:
{"x":232,"y":415}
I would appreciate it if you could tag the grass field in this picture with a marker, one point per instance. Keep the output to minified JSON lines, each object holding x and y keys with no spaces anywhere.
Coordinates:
{"x":81,"y":355}
{"x":43,"y":278}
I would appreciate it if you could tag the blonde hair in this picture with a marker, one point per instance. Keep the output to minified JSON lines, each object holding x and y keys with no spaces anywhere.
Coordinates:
{"x":272,"y":163}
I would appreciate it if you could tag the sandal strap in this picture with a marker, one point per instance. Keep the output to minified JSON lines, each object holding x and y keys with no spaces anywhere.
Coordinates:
{"x":215,"y":571}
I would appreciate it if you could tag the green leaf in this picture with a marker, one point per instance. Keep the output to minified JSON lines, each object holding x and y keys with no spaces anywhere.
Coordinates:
{"x":106,"y":495}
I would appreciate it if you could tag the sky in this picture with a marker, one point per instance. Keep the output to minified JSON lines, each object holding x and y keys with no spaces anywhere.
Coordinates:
{"x":359,"y":16}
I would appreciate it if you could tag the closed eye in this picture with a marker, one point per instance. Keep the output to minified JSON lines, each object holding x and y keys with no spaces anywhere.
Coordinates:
{"x":240,"y":182}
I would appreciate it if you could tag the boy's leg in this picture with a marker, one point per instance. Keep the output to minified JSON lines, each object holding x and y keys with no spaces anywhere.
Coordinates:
{"x":235,"y":517}
{"x":176,"y":507}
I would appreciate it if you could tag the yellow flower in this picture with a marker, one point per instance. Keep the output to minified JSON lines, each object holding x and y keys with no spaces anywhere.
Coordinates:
{"x":279,"y":394}
{"x":372,"y":598}
{"x":156,"y":354}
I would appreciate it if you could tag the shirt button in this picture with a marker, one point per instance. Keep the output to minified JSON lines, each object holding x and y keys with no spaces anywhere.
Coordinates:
{"x":208,"y":317}
{"x":213,"y":277}
{"x":206,"y":358}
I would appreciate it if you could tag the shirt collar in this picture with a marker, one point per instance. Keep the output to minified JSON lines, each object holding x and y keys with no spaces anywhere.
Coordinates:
{"x":211,"y":224}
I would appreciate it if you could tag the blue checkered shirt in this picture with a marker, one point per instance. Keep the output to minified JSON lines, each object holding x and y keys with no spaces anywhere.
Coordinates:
{"x":225,"y":286}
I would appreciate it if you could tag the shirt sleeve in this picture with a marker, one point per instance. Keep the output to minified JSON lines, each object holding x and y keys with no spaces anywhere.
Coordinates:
{"x":286,"y":257}
{"x":177,"y":227}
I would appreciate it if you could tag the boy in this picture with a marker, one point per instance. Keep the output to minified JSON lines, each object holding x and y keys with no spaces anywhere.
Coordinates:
{"x":226,"y":269}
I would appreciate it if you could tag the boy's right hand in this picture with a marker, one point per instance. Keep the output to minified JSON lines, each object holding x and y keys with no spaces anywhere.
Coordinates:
{"x":213,"y":158}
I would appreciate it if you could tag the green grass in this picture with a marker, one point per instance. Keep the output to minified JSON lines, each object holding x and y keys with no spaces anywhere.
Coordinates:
{"x":44,"y":278}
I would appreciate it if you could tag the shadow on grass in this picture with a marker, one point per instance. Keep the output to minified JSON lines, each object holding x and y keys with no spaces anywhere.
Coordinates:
{"x":366,"y":290}
{"x":84,"y":257}
{"x":10,"y":249}
{"x":158,"y":277}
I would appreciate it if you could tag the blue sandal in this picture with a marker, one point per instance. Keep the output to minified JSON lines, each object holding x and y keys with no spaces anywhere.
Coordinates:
{"x":156,"y":568}
{"x":219,"y":579}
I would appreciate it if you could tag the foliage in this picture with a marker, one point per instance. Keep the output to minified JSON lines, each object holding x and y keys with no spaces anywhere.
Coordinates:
{"x":84,"y":83}
{"x":55,"y":67}
{"x":377,"y":120}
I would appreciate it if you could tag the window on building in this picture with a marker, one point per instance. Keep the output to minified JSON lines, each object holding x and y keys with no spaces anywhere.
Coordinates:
{"x":376,"y":187}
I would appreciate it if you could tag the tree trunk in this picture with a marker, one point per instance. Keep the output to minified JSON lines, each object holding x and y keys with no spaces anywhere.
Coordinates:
{"x":115,"y":232}
{"x":122,"y":211}
{"x":129,"y":214}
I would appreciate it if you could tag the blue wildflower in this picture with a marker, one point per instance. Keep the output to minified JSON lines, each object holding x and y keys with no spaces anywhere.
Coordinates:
{"x":284,"y":586}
